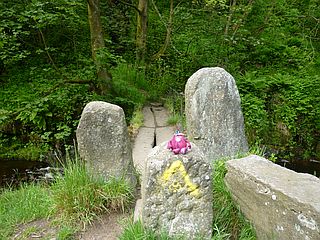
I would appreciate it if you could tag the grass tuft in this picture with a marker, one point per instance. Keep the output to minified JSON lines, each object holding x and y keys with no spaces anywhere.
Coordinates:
{"x":136,"y":122}
{"x":81,"y":196}
{"x":228,"y":221}
{"x":174,"y":119}
{"x":138,"y":231}
{"x":72,"y":201}
{"x":25,"y":204}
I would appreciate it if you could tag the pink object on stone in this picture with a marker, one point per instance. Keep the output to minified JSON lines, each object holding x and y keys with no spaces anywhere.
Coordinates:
{"x":178,"y":144}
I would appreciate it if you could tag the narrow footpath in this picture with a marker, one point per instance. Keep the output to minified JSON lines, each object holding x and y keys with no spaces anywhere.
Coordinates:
{"x":154,"y":131}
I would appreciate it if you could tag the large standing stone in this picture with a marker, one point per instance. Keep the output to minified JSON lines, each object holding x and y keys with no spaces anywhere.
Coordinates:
{"x":213,"y":113}
{"x":177,"y":193}
{"x":281,"y":204}
{"x":103,"y":140}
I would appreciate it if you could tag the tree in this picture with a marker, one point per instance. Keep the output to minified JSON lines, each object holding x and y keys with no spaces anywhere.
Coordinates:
{"x":142,"y":27}
{"x":104,"y":78}
{"x":169,"y":29}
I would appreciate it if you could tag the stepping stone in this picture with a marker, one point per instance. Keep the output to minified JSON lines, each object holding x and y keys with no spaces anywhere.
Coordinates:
{"x":156,"y":104}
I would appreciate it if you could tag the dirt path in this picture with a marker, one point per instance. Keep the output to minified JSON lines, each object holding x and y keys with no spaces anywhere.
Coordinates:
{"x":108,"y":227}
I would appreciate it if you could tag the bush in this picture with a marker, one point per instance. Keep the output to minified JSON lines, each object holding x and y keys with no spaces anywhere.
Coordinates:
{"x":282,"y":112}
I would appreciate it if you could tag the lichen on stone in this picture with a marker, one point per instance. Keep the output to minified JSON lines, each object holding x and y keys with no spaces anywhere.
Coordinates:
{"x":175,"y":177}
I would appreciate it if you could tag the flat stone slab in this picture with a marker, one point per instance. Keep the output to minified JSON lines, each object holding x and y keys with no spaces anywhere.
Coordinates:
{"x":164,"y":134}
{"x":138,"y":211}
{"x":161,"y":116}
{"x":142,"y":146}
{"x":148,"y":120}
{"x":281,"y":203}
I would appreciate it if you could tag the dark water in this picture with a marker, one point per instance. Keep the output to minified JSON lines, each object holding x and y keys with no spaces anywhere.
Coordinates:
{"x":303,"y":166}
{"x":13,"y":172}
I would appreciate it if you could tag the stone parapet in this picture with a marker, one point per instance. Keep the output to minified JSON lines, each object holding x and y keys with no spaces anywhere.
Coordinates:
{"x":280,"y":203}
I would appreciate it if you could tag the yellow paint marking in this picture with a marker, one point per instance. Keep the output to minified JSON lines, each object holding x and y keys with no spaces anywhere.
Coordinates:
{"x":175,"y":168}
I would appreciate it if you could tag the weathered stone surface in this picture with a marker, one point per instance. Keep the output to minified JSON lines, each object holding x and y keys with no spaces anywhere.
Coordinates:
{"x":161,"y":116}
{"x":177,"y":193}
{"x":213,"y":113}
{"x":281,"y":203}
{"x":142,"y":146}
{"x":164,"y":134}
{"x":148,"y":118}
{"x":137,"y":210}
{"x":103,"y":140}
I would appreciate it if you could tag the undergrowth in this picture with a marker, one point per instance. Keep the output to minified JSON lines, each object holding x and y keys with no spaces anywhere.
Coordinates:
{"x":136,"y":122}
{"x":138,"y":231}
{"x":175,"y":105}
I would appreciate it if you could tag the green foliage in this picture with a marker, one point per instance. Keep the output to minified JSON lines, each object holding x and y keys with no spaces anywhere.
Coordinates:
{"x":130,"y":88}
{"x":75,"y":199}
{"x":216,"y":3}
{"x":175,"y":104}
{"x":137,"y":118}
{"x":136,"y":122}
{"x":39,"y":114}
{"x":66,"y":233}
{"x":256,"y":117}
{"x":282,"y":112}
{"x":173,"y":120}
{"x":34,"y":29}
{"x":270,"y":47}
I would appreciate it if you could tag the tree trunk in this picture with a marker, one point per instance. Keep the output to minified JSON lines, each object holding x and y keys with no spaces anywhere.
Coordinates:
{"x":243,"y":18}
{"x":142,"y":27}
{"x":169,"y":28}
{"x":232,"y":9}
{"x":104,"y":78}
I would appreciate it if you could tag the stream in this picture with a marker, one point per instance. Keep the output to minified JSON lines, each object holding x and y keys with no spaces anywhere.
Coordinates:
{"x":14,"y":172}
{"x":302,"y":166}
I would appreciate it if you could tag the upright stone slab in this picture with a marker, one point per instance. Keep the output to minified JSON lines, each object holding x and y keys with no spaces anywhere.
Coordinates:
{"x":281,"y":204}
{"x":213,"y":113}
{"x":177,"y":193}
{"x":103,"y":140}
